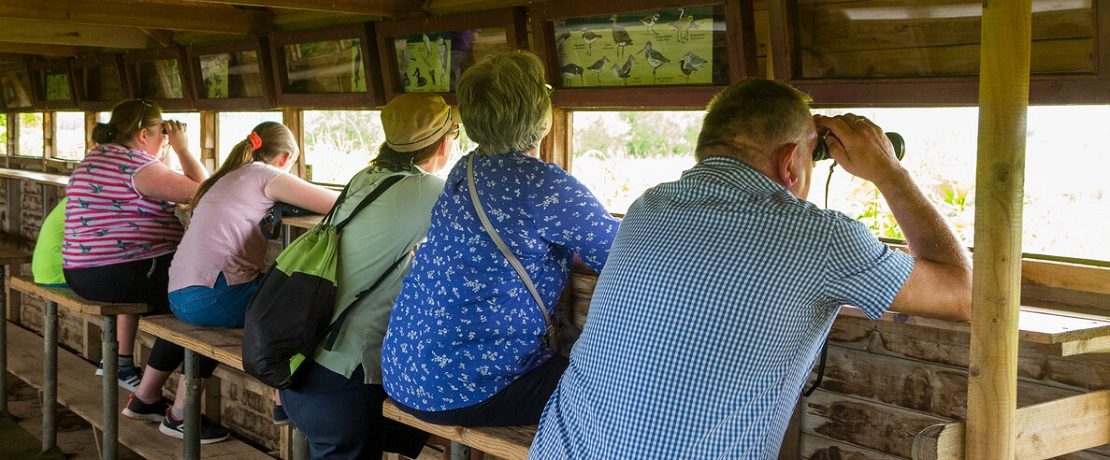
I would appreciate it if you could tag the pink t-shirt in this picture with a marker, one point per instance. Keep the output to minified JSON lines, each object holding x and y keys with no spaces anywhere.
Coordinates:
{"x":223,"y":234}
{"x":107,"y":221}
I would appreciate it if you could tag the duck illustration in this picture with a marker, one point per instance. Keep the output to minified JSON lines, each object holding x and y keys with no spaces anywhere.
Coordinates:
{"x":420,"y":81}
{"x":682,"y":26}
{"x":599,"y":66}
{"x":623,"y":72}
{"x":589,"y":37}
{"x":650,"y":21}
{"x":432,"y":74}
{"x":102,"y":232}
{"x":85,"y":249}
{"x":620,"y":36}
{"x":572,"y":71}
{"x":654,"y":58}
{"x":690,"y":63}
{"x":405,"y":81}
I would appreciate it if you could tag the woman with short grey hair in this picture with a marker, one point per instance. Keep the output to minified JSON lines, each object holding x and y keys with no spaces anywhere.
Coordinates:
{"x":468,"y":338}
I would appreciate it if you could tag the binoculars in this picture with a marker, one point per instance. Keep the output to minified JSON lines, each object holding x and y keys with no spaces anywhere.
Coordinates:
{"x":821,"y":152}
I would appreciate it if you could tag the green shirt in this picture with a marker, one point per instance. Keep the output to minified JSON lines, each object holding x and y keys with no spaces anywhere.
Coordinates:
{"x":380,"y":233}
{"x":46,"y":262}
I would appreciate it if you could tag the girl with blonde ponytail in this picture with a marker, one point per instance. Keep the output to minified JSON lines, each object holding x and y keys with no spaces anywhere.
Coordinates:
{"x":222,"y":255}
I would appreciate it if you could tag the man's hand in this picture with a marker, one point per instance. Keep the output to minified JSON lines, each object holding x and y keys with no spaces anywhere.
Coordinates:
{"x":860,"y":147}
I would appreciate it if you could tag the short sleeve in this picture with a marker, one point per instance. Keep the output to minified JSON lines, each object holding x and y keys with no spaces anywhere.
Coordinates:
{"x":862,"y":271}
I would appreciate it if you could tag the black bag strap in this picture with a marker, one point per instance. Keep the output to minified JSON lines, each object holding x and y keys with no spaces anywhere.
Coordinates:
{"x":332,"y":331}
{"x":382,"y":187}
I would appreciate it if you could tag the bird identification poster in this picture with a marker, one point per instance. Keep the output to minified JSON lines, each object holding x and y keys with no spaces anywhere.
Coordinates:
{"x":644,"y":48}
{"x":424,"y":63}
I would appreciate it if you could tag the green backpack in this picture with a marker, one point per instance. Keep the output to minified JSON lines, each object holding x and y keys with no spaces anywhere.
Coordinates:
{"x":290,"y":313}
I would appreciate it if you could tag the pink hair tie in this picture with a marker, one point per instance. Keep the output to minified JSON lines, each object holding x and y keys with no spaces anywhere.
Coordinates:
{"x":255,"y":140}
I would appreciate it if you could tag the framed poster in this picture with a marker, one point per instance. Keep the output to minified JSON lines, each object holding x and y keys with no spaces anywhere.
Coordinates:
{"x":99,"y":82}
{"x":326,"y":68}
{"x":161,"y":77}
{"x":232,"y":76}
{"x":15,"y":88}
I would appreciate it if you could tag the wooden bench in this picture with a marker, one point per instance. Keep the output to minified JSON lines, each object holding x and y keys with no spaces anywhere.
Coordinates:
{"x":225,"y":345}
{"x":509,"y":443}
{"x":63,"y":297}
{"x":10,"y":254}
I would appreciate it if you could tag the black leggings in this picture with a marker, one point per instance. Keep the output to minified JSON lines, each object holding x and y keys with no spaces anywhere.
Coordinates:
{"x":520,"y":403}
{"x":144,"y":281}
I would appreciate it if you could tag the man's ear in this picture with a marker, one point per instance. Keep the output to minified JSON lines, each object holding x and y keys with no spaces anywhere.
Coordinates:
{"x":786,"y":166}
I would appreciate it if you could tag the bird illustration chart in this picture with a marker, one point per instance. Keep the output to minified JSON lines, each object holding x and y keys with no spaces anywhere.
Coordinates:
{"x":214,"y":73}
{"x":645,"y":48}
{"x":424,"y":62}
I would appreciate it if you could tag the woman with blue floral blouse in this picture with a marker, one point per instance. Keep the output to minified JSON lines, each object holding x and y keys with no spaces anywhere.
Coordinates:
{"x":465,"y":344}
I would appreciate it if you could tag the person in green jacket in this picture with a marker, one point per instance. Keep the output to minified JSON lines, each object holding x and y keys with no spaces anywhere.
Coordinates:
{"x":46,"y":262}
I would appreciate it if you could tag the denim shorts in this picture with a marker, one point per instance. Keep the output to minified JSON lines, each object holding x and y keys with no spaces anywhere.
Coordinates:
{"x":217,"y":306}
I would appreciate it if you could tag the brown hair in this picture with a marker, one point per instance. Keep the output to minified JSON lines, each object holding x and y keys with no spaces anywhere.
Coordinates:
{"x":125,"y":121}
{"x":275,"y":139}
{"x":388,"y":156}
{"x":762,"y":112}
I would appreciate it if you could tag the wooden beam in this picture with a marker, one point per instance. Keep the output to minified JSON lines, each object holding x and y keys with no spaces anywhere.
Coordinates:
{"x":50,"y":33}
{"x":1044,"y":430}
{"x":43,"y":50}
{"x":382,"y":8}
{"x":999,"y":185}
{"x":12,"y":57}
{"x":441,"y":7}
{"x":200,"y":18}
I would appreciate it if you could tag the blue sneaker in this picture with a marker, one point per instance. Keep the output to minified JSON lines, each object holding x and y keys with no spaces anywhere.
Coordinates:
{"x":128,"y":379}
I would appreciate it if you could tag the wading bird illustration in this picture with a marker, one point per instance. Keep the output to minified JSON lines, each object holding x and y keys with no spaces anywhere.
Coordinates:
{"x":599,"y":66}
{"x":690,"y":63}
{"x":623,"y":72}
{"x":562,"y":38}
{"x":682,"y":26}
{"x":650,"y":21}
{"x":654,"y":58}
{"x":589,"y":37}
{"x":620,"y":36}
{"x":572,"y":71}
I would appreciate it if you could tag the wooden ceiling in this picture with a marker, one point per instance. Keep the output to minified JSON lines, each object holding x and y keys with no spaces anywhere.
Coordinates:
{"x":38,"y":29}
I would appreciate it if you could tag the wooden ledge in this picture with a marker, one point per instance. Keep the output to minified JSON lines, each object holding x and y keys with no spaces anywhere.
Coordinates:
{"x":305,"y":222}
{"x":65,"y":298}
{"x":1044,"y":430}
{"x":1074,"y":333}
{"x":509,"y":443}
{"x":12,"y":254}
{"x":35,"y":176}
{"x":222,"y":344}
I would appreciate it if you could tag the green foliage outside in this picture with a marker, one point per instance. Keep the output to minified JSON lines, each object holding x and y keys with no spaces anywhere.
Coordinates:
{"x":30,"y":134}
{"x":3,"y":134}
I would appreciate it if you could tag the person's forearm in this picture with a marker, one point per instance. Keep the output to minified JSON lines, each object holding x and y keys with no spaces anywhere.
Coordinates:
{"x":926,"y":230}
{"x":191,"y":166}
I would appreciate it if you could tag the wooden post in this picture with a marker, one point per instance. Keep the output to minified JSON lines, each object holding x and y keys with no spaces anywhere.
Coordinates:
{"x":90,"y":124}
{"x":49,"y":146}
{"x":294,"y":119}
{"x":999,"y":184}
{"x":209,"y":140}
{"x":557,"y":147}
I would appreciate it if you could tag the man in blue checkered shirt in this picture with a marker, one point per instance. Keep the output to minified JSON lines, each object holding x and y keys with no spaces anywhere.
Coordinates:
{"x":721,"y":287}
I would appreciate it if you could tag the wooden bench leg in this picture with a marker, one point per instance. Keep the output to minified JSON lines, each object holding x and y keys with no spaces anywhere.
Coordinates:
{"x":192,"y":406}
{"x":459,"y":451}
{"x":50,"y":377}
{"x":3,"y":354}
{"x":109,"y":350}
{"x":300,"y":445}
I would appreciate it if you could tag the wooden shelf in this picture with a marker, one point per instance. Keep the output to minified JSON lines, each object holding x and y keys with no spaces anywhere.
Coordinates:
{"x":34,"y":176}
{"x":305,"y":222}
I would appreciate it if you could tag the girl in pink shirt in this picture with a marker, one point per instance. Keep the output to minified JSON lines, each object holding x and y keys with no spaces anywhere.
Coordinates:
{"x":221,"y":258}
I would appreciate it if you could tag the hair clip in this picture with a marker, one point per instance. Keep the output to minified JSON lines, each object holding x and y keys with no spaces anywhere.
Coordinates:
{"x":255,"y":140}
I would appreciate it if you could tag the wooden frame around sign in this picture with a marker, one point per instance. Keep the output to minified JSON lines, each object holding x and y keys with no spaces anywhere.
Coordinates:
{"x":259,"y":45}
{"x":38,"y":70}
{"x":25,"y":68}
{"x":740,"y":35}
{"x":110,"y":60}
{"x":513,"y":20}
{"x":364,"y":32}
{"x":1044,"y":88}
{"x":187,"y":101}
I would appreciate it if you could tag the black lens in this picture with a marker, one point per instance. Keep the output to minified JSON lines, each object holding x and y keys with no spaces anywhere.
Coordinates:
{"x":821,"y":151}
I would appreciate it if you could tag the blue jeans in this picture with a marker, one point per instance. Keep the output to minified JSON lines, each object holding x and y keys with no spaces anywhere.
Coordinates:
{"x":217,"y":306}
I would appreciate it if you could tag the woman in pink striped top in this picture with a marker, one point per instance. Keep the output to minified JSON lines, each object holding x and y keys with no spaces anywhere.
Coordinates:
{"x":120,"y":229}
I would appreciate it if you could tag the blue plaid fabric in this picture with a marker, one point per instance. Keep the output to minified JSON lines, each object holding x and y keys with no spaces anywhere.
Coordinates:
{"x":718,"y":292}
{"x":464,"y":326}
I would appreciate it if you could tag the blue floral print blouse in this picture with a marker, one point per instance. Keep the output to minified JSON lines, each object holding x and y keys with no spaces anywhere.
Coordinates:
{"x":464,"y":326}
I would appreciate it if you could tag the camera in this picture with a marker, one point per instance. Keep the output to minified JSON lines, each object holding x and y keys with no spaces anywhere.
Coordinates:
{"x":821,"y":152}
